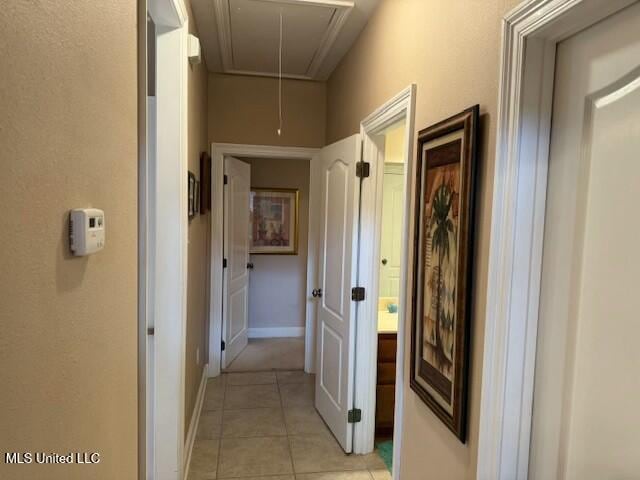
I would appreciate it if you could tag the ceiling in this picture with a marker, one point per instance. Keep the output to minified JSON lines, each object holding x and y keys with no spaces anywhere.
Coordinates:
{"x":242,"y":36}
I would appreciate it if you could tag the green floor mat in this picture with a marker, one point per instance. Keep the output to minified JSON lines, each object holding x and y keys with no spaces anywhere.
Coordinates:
{"x":385,"y":450}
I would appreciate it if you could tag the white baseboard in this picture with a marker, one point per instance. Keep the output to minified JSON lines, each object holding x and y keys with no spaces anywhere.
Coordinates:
{"x":195,"y":420}
{"x":276,"y":332}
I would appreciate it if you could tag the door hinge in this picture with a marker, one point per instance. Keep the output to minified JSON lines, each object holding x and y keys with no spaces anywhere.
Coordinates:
{"x":223,"y":346}
{"x":224,"y":263}
{"x":225,"y":180}
{"x":363,"y":169}
{"x":355,"y":415}
{"x":357,"y":294}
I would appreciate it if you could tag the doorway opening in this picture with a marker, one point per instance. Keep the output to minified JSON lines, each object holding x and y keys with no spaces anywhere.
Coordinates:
{"x":266,"y":277}
{"x":391,"y":250}
{"x":262,"y":309}
{"x":387,"y":144}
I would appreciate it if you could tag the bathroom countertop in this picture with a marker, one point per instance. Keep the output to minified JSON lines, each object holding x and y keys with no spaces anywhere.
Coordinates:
{"x":387,"y":322}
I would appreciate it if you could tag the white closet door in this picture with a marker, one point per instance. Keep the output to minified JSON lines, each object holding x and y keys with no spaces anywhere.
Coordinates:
{"x":391,"y":242}
{"x":586,"y":421}
{"x":236,"y":252}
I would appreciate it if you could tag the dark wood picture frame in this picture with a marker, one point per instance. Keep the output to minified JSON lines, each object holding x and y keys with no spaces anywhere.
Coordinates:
{"x":445,"y":185}
{"x":205,"y":182}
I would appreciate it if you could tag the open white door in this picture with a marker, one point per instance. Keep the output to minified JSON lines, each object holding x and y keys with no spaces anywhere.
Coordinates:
{"x":339,"y":214}
{"x":236,"y":253}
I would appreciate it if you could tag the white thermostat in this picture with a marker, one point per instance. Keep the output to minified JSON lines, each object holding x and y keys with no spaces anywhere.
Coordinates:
{"x":86,"y":231}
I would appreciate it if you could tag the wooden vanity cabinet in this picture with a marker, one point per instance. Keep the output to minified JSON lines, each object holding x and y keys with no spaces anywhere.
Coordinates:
{"x":386,"y":383}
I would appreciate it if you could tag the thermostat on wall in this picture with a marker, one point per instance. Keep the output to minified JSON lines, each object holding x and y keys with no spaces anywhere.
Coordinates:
{"x":86,"y":231}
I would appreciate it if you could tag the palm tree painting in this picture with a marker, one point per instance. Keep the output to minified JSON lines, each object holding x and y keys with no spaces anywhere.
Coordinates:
{"x":443,"y":270}
{"x":441,"y":228}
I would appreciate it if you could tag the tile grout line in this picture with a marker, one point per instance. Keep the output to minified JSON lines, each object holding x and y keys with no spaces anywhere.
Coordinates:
{"x":286,"y":429}
{"x":223,"y":379}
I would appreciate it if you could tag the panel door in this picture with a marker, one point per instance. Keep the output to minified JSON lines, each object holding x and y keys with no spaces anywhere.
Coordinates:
{"x":391,"y":242}
{"x":236,"y":251}
{"x":337,"y":270}
{"x":586,"y":421}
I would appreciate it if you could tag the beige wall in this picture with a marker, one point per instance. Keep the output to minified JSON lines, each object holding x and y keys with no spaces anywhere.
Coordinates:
{"x":199,"y":227}
{"x":278,"y":283}
{"x":68,"y":346}
{"x":451,"y":51}
{"x":244,"y":109}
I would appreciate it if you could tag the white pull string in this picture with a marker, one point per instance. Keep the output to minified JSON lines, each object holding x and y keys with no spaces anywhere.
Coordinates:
{"x":280,"y":79}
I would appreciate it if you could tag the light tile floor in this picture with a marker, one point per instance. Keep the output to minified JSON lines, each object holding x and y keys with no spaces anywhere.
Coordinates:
{"x":270,"y":354}
{"x":263,"y":426}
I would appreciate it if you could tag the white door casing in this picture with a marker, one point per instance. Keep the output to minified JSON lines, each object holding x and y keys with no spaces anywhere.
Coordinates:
{"x":218,"y":152}
{"x":585,"y":418}
{"x":529,"y":36}
{"x":391,"y":241}
{"x":236,"y":251}
{"x":339,"y":213}
{"x":163,"y":229}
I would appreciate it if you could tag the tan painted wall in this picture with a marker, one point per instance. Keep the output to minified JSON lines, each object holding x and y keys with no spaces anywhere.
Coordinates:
{"x":244,"y":109}
{"x":198,"y":250}
{"x":450,"y":49}
{"x":68,"y":341}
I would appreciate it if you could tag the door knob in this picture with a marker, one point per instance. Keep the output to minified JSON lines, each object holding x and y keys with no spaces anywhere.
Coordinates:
{"x":317,"y":292}
{"x":384,"y":261}
{"x":250,"y":266}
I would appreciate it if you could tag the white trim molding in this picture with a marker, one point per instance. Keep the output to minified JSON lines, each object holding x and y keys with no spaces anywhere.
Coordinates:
{"x":166,"y":225}
{"x":195,"y":421}
{"x":342,"y":10}
{"x":216,"y":312}
{"x":530,"y":34}
{"x":402,"y":106}
{"x":276,"y":332}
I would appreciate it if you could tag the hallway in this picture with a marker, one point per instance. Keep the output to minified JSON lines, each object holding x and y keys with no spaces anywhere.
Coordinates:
{"x":263,"y":426}
{"x":270,"y":354}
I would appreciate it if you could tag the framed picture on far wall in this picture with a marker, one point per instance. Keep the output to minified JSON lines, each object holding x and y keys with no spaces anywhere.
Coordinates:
{"x":444,"y":226}
{"x":274,"y":221}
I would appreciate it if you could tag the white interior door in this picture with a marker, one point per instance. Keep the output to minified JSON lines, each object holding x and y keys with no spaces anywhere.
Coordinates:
{"x":337,"y":271}
{"x":236,"y":252}
{"x":391,"y":241}
{"x":586,"y":422}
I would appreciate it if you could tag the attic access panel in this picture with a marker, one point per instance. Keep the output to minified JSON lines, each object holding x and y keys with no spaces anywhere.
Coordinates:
{"x":249,"y":33}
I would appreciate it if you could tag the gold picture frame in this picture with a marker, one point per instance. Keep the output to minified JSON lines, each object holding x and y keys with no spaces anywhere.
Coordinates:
{"x":274,"y":221}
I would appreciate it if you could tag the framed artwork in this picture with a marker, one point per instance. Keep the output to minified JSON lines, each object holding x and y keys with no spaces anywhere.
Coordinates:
{"x":196,"y":198}
{"x":274,"y":221}
{"x":443,"y":249}
{"x":191,"y":195}
{"x":205,"y":182}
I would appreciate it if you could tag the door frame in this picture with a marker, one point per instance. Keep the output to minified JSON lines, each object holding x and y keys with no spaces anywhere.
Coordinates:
{"x":162,"y":242}
{"x":400,"y":106}
{"x":218,"y":152}
{"x":530,"y":34}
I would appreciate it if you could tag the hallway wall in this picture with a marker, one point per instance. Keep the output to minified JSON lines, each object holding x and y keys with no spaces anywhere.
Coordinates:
{"x":68,"y":131}
{"x":451,"y":50}
{"x":197,"y":336}
{"x":278,"y":283}
{"x":244,"y":109}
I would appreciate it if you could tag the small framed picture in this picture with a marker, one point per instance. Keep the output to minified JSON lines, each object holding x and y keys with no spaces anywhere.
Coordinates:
{"x":196,"y":198}
{"x":191,"y":196}
{"x":274,"y":221}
